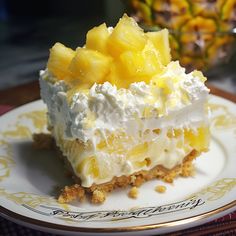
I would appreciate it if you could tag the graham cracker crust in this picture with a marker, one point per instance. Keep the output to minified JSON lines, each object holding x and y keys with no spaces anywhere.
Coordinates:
{"x":97,"y":193}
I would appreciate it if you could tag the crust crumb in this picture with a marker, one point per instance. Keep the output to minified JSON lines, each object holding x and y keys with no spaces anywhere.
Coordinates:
{"x":160,"y":188}
{"x":188,"y":169}
{"x":169,"y":178}
{"x":42,"y":141}
{"x":132,"y":179}
{"x":133,"y":193}
{"x":139,"y":180}
{"x":98,"y":197}
{"x":148,"y":161}
{"x":70,"y":193}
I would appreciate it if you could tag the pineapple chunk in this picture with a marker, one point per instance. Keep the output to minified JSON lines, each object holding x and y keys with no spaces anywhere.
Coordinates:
{"x":90,"y":66}
{"x":160,"y":40}
{"x":133,"y":63}
{"x":142,"y":65}
{"x":97,"y":37}
{"x":93,"y":167}
{"x":117,"y":77}
{"x":138,"y":152}
{"x":90,"y":166}
{"x":137,"y":155}
{"x":127,"y":35}
{"x":198,"y":140}
{"x":59,"y":61}
{"x":113,"y":144}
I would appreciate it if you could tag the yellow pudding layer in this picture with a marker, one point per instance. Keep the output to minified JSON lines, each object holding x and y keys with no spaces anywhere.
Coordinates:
{"x":119,"y":154}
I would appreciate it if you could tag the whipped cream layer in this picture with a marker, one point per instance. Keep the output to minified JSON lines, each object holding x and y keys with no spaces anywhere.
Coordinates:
{"x":104,"y":108}
{"x":174,"y":100}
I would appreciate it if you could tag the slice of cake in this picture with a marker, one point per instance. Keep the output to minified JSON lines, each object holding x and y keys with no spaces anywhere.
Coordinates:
{"x":121,"y":112}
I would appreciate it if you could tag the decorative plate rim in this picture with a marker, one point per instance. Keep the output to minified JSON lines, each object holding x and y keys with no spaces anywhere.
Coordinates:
{"x":54,"y":226}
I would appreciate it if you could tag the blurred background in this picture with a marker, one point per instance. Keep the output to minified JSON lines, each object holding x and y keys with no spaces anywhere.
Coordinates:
{"x":29,"y":28}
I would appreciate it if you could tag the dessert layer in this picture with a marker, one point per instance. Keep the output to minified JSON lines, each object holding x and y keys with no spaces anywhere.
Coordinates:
{"x":175,"y":99}
{"x":98,"y":192}
{"x":107,"y":132}
{"x":121,"y":154}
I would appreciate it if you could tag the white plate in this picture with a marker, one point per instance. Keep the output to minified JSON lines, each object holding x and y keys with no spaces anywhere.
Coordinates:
{"x":30,"y":180}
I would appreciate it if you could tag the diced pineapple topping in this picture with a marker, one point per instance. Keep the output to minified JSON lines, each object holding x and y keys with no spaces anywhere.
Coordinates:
{"x":126,"y":36}
{"x":59,"y":61}
{"x":141,"y":65}
{"x":161,"y":42}
{"x":97,"y":38}
{"x":90,"y":66}
{"x":121,"y":56}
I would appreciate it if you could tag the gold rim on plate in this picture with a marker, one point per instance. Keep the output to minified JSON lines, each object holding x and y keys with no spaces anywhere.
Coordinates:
{"x":15,"y":217}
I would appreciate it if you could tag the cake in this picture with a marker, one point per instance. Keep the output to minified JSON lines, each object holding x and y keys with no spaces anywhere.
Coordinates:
{"x":121,"y":112}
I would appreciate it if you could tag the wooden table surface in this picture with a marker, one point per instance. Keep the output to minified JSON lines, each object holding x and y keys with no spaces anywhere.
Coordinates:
{"x":22,"y":94}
